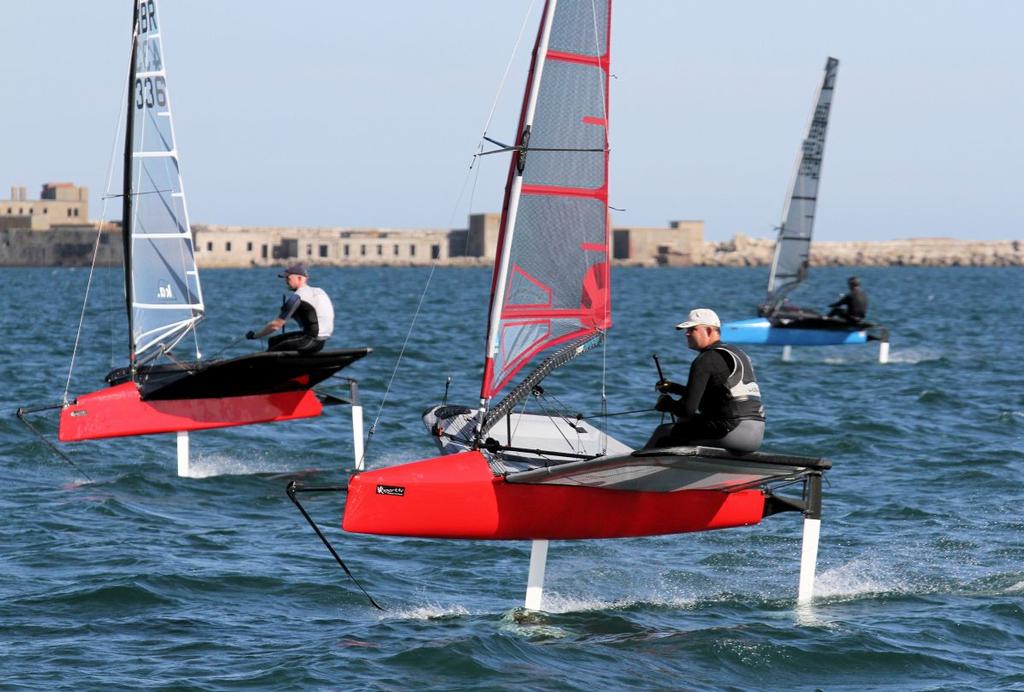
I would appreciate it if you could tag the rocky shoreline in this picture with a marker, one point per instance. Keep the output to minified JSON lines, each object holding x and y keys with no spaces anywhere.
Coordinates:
{"x":745,"y":251}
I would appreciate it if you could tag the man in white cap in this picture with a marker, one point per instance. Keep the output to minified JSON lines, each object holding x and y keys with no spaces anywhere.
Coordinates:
{"x":721,"y":402}
{"x":309,"y":306}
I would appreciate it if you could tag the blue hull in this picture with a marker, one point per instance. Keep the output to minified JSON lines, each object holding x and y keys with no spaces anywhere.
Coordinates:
{"x":760,"y":331}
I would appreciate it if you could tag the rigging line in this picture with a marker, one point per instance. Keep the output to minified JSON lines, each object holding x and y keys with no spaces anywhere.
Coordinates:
{"x":508,"y":66}
{"x":605,"y":414}
{"x":552,"y":417}
{"x":214,"y":356}
{"x":563,"y":407}
{"x":56,"y":450}
{"x":99,"y":231}
{"x":600,"y":72}
{"x":294,"y":487}
{"x":519,"y":419}
{"x":136,"y":194}
{"x":398,"y":362}
{"x":607,"y":303}
{"x":529,"y":148}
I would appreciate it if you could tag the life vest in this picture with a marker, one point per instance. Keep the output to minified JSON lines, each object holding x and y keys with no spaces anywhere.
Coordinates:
{"x":315,"y":312}
{"x":742,"y":395}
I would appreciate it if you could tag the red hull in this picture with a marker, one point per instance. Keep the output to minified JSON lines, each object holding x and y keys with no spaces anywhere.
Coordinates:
{"x":457,"y":496}
{"x":119,"y":411}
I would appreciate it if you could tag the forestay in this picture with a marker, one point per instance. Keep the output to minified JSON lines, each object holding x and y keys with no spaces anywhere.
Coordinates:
{"x":793,"y":247}
{"x":161,"y":280}
{"x":551,"y":282}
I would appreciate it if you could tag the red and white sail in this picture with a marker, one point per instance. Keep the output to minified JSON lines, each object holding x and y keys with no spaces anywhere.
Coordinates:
{"x":551,"y":280}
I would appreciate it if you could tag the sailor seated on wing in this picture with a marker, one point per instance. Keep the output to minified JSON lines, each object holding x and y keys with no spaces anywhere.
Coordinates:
{"x":309,"y":306}
{"x":721,"y":402}
{"x":852,"y":307}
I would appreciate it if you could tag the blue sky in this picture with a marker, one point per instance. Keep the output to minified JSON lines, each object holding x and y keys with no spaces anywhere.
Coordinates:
{"x":337,"y":113}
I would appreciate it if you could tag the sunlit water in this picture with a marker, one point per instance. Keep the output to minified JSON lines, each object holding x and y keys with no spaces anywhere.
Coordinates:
{"x":115,"y":572}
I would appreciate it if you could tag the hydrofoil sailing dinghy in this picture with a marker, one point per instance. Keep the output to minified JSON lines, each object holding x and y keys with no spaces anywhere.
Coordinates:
{"x":779,"y":322}
{"x":159,"y":391}
{"x":509,"y":475}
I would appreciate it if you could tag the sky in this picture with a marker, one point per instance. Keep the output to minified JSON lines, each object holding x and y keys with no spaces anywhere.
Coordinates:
{"x":366,"y":114}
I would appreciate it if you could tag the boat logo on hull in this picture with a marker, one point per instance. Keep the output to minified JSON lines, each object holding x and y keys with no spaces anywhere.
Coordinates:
{"x":395,"y":490}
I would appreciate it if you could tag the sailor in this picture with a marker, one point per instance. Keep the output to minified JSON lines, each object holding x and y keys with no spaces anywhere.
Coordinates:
{"x":309,"y":306}
{"x":852,"y":307}
{"x":721,"y":402}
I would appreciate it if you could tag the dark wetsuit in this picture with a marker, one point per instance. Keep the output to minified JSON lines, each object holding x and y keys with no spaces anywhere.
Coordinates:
{"x":853,"y":307}
{"x":312,"y":309}
{"x":721,"y":393}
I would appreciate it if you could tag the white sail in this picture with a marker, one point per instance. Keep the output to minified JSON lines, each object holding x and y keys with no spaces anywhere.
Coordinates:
{"x":793,"y":247}
{"x":162,"y":282}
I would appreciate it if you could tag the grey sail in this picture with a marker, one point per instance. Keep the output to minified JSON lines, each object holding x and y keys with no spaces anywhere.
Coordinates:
{"x":793,"y":247}
{"x":161,"y":280}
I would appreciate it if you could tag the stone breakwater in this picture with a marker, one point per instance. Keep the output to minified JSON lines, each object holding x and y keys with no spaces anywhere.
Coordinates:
{"x":744,"y":251}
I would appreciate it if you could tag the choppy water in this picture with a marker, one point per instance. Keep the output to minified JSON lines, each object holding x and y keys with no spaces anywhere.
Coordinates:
{"x":137,"y":578}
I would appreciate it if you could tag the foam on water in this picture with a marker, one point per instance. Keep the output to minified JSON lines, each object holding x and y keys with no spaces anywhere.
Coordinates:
{"x":426,"y":611}
{"x":207,"y":465}
{"x":914,"y":355}
{"x":861,"y":577}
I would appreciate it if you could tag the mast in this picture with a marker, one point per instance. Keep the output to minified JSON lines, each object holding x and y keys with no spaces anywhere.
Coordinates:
{"x":550,"y":281}
{"x":513,"y":190}
{"x":161,"y":279}
{"x":793,"y":246}
{"x":126,"y":189}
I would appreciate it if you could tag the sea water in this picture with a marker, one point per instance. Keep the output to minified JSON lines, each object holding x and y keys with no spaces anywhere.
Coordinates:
{"x":114,"y":572}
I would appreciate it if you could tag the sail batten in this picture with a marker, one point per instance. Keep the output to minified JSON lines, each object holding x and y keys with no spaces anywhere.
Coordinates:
{"x":551,"y":280}
{"x":793,"y":246}
{"x":162,"y":281}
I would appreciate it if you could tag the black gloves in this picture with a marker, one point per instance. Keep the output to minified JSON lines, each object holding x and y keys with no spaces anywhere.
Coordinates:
{"x":664,"y":404}
{"x":250,"y":334}
{"x":667,"y":387}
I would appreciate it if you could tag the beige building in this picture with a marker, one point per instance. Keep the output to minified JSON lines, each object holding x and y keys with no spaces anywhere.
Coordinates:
{"x":239,"y":246}
{"x":679,"y":244}
{"x":59,"y":204}
{"x":54,"y":230}
{"x":682,"y":243}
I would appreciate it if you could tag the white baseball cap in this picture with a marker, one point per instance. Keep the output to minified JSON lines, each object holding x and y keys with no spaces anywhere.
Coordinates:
{"x":700,"y":316}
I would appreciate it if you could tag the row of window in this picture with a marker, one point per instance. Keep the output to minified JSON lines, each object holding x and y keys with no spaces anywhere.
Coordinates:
{"x":31,"y":210}
{"x":435,"y":250}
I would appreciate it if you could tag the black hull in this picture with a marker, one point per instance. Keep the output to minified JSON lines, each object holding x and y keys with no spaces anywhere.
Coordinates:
{"x":256,"y":373}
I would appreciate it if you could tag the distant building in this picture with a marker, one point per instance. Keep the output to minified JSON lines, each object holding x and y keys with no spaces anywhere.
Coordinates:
{"x":680,"y":244}
{"x":59,"y":204}
{"x":54,"y":230}
{"x":238,"y":246}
